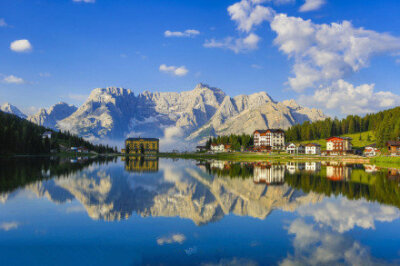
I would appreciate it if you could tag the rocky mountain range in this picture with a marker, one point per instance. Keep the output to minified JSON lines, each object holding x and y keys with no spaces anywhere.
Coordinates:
{"x":11,"y":109}
{"x":116,"y":113}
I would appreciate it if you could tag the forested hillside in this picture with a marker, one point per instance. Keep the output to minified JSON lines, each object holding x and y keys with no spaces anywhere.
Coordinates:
{"x":235,"y":140}
{"x":385,"y":125}
{"x":19,"y":136}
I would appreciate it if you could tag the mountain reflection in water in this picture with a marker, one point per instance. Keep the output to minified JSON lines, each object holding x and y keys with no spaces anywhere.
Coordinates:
{"x":204,"y":193}
{"x":307,"y":225}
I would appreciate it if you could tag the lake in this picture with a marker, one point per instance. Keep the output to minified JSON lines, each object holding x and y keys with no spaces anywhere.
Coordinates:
{"x":185,"y":212}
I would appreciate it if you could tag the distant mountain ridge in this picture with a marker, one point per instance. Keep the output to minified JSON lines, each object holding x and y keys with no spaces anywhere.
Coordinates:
{"x":115,"y":113}
{"x":50,"y":117}
{"x":11,"y":109}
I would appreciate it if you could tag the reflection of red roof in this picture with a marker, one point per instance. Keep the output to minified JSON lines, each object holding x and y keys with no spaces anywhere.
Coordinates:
{"x":213,"y":144}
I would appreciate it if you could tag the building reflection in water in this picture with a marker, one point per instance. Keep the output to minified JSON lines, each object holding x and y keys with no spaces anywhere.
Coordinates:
{"x":269,"y":174}
{"x":141,"y":164}
{"x":338,"y":172}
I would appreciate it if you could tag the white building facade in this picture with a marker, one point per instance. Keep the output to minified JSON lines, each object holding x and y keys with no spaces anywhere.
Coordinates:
{"x":313,"y":148}
{"x":274,"y":138}
{"x":293,"y":148}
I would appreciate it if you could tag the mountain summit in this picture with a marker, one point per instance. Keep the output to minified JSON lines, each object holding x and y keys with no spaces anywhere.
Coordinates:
{"x":116,"y":113}
{"x":11,"y":109}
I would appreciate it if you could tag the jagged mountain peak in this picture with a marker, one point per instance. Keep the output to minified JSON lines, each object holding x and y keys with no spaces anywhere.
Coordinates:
{"x":51,"y":116}
{"x":11,"y":109}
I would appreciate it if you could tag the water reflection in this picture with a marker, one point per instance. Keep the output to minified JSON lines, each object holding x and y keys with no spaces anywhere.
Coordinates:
{"x":291,"y":200}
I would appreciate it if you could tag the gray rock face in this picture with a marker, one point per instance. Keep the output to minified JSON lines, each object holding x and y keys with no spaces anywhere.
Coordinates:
{"x":11,"y":109}
{"x":50,"y":117}
{"x":116,"y":113}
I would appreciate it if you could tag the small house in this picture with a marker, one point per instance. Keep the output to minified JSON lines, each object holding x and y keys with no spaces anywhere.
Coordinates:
{"x":201,"y":148}
{"x":217,"y":147}
{"x":294,"y":148}
{"x":47,"y":135}
{"x":313,"y":148}
{"x":393,"y":147}
{"x":371,"y":150}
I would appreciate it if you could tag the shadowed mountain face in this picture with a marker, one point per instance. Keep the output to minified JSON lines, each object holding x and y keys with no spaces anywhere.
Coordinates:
{"x":181,"y":189}
{"x":115,"y":113}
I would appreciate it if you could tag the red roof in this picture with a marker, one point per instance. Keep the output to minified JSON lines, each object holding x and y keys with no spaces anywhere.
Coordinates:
{"x":338,"y":138}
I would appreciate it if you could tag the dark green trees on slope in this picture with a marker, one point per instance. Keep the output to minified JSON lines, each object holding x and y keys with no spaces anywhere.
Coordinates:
{"x":19,"y":136}
{"x":384,"y":124}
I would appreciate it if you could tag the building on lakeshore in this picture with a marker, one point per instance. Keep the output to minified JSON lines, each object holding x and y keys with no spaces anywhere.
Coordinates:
{"x":220,"y":147}
{"x":371,"y":150}
{"x":313,"y":148}
{"x":393,"y":147}
{"x":47,"y":135}
{"x":339,"y":146}
{"x":294,"y":148}
{"x":142,"y":146}
{"x":273,"y":138}
{"x":201,"y":148}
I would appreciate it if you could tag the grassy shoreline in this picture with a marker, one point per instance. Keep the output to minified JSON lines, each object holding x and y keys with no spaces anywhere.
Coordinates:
{"x":254,"y":157}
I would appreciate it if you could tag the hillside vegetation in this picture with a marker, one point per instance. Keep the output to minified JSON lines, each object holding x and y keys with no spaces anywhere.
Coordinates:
{"x":359,"y":139}
{"x":19,"y":136}
{"x":384,"y":125}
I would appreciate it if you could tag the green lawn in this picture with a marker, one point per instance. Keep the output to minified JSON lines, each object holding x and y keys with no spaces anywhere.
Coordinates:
{"x":357,"y":143}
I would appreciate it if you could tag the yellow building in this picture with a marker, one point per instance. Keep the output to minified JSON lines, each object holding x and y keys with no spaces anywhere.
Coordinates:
{"x":142,"y":146}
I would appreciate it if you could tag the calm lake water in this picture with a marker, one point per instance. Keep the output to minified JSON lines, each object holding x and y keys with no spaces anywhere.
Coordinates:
{"x":185,"y":212}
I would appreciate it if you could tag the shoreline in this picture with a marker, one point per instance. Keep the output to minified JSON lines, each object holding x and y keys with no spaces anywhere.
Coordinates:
{"x":262,"y":157}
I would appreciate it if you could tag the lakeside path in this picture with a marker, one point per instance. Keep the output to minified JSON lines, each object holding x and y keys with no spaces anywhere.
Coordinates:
{"x":256,"y":157}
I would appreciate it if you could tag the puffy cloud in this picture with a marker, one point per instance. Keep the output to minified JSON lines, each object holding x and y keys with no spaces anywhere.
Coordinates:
{"x":186,"y":33}
{"x":177,"y":71}
{"x":317,"y":246}
{"x":175,"y":238}
{"x":346,"y":98}
{"x":85,"y":1}
{"x":7,"y":226}
{"x":238,"y":45}
{"x":343,"y":215}
{"x":327,"y":52}
{"x":11,"y":79}
{"x":249,"y":13}
{"x":311,"y":5}
{"x":21,"y":46}
{"x":3,"y":22}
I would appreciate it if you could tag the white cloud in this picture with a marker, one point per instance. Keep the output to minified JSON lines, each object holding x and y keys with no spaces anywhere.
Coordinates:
{"x":346,"y":98}
{"x":343,"y":215}
{"x":45,"y":74}
{"x":3,"y":22}
{"x":11,"y":79}
{"x":186,"y":33}
{"x":316,"y":246}
{"x":238,"y":45}
{"x":175,"y":238}
{"x":85,"y":1}
{"x":21,"y":46}
{"x":327,"y":52}
{"x":176,"y":71}
{"x":7,"y":226}
{"x":75,"y":209}
{"x":256,"y":66}
{"x":249,"y":13}
{"x":311,"y":5}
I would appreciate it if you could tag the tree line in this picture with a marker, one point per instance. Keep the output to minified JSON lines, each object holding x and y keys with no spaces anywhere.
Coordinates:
{"x":385,"y":125}
{"x":19,"y":136}
{"x":236,"y":141}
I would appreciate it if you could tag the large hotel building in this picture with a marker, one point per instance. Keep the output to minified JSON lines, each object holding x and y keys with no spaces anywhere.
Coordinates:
{"x":273,"y":138}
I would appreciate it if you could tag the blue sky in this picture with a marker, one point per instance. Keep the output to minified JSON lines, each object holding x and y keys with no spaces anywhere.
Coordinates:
{"x":69,"y":47}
